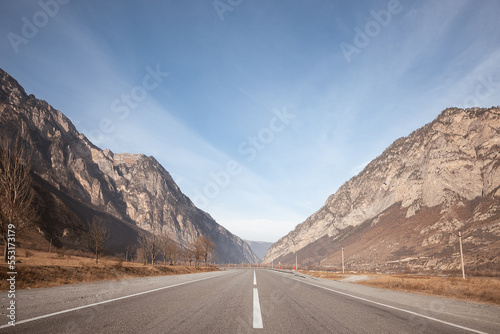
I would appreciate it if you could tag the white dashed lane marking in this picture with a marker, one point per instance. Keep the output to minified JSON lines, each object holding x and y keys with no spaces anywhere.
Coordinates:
{"x":257,"y":315}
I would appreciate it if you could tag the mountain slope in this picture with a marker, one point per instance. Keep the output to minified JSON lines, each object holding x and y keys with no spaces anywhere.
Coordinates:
{"x":442,"y":177}
{"x":259,"y":247}
{"x":80,"y":179}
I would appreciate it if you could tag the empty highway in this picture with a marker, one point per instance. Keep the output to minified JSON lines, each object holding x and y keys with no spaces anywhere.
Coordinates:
{"x":241,"y":301}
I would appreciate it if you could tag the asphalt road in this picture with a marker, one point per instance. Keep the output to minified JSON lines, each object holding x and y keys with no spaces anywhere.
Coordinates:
{"x":241,"y":301}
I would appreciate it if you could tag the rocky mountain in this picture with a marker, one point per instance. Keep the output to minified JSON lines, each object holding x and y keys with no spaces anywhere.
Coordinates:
{"x":406,"y":207}
{"x":259,"y":247}
{"x":75,"y":180}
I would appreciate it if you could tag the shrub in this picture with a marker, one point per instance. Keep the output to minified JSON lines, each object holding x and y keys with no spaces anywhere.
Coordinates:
{"x":118,"y":264}
{"x":28,"y":253}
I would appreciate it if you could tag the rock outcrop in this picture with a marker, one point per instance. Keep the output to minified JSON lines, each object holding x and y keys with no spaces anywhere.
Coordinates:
{"x":130,"y":189}
{"x":441,"y":178}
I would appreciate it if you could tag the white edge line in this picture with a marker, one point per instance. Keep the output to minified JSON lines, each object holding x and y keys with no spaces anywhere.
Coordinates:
{"x":257,"y":315}
{"x":105,"y":302}
{"x":391,"y":307}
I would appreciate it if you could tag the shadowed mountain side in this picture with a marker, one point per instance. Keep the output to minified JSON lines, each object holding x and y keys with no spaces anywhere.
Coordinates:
{"x":64,"y":221}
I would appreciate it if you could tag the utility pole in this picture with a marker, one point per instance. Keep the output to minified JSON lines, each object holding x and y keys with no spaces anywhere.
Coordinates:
{"x":296,"y":262}
{"x":342,"y":260}
{"x":461,"y":253}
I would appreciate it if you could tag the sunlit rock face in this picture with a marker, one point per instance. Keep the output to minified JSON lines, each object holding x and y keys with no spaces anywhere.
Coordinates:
{"x":451,"y":164}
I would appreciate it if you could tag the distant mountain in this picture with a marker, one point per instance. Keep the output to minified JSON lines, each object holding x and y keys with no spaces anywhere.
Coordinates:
{"x":259,"y":247}
{"x":75,"y":180}
{"x":406,"y":207}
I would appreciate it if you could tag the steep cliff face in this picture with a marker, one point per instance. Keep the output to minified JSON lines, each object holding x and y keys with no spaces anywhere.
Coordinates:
{"x":446,"y":164}
{"x":132,"y":188}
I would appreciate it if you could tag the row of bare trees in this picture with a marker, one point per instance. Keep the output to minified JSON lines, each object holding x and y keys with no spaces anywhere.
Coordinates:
{"x":154,"y":245}
{"x":202,"y":248}
{"x":158,"y":243}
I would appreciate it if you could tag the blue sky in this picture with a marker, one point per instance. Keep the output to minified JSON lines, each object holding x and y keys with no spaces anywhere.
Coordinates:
{"x":259,"y":109}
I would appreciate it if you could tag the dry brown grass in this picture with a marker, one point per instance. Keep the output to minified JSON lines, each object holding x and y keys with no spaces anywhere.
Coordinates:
{"x":43,"y":269}
{"x":479,"y":289}
{"x":61,"y":258}
{"x":324,"y":274}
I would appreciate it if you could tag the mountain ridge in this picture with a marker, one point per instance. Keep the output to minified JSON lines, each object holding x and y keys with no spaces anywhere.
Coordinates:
{"x":259,"y":247}
{"x":127,"y":189}
{"x":448,"y":162}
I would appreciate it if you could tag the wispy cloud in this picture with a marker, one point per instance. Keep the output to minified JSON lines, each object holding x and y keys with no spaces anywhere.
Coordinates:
{"x":226,"y":78}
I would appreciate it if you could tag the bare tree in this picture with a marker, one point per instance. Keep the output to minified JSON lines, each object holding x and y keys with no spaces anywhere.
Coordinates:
{"x":169,"y":249}
{"x":208,"y":248}
{"x":196,"y":250}
{"x":141,"y":256}
{"x":173,"y":253}
{"x":130,"y":252}
{"x":150,"y":246}
{"x":187,"y":254}
{"x":151,"y":241}
{"x":165,"y":242}
{"x":16,"y":196}
{"x":97,"y":236}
